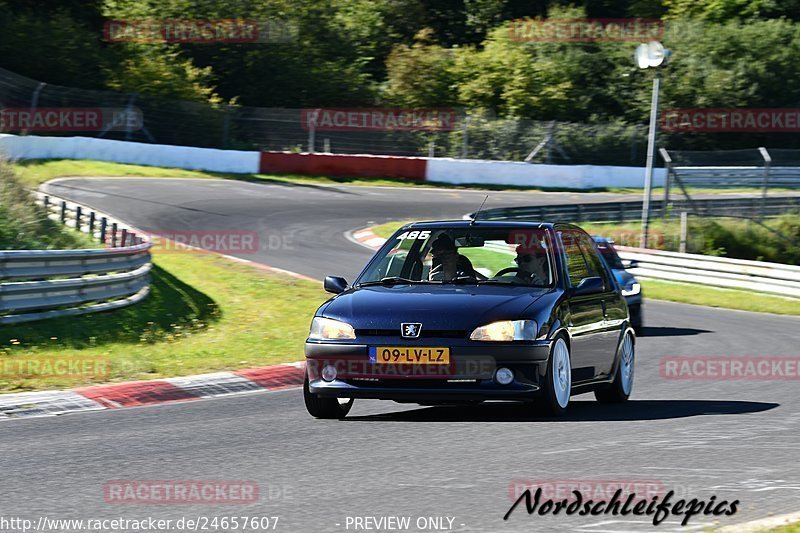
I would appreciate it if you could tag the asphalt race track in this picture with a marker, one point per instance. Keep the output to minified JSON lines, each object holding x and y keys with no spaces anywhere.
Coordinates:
{"x":700,"y":438}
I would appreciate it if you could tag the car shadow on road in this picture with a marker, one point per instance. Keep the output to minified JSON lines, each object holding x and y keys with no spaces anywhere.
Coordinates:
{"x":579,"y":411}
{"x":666,"y":331}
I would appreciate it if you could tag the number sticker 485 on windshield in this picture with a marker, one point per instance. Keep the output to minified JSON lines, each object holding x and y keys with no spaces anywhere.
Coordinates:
{"x":411,"y":235}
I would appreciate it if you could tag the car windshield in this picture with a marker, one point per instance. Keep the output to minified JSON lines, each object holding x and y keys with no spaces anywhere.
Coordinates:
{"x":610,"y":255}
{"x":467,"y":255}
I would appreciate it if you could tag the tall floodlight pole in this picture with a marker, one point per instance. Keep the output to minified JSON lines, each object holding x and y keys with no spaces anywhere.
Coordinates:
{"x":650,"y":55}
{"x":648,"y":171}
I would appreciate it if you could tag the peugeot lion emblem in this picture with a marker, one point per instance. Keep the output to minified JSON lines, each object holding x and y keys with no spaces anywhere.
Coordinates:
{"x":410,"y":330}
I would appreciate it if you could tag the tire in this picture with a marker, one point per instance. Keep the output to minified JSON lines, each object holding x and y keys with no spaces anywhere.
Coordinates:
{"x":327,"y":408}
{"x":637,"y":320}
{"x":620,"y":389}
{"x":558,"y":381}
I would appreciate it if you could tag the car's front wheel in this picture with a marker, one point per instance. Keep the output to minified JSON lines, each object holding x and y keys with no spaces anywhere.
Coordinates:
{"x":558,"y":382}
{"x":622,"y":386}
{"x":320,"y":407}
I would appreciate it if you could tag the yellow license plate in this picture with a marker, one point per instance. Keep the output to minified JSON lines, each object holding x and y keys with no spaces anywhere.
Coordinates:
{"x":416,"y":355}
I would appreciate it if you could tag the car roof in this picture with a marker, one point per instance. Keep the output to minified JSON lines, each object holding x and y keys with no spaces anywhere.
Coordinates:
{"x":487,"y":224}
{"x":599,"y":239}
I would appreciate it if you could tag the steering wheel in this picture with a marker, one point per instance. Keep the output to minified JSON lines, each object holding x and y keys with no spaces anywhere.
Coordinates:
{"x":508,"y":271}
{"x":437,"y":271}
{"x":473,"y":275}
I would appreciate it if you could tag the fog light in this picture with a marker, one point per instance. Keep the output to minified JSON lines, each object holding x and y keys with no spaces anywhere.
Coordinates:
{"x":329,"y":372}
{"x":504,"y":376}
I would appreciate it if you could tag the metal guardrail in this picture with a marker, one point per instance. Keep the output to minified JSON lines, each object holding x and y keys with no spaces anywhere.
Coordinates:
{"x":754,"y":168}
{"x":39,"y":284}
{"x":624,"y":211}
{"x":750,"y":168}
{"x":774,"y":278}
{"x":745,"y":176}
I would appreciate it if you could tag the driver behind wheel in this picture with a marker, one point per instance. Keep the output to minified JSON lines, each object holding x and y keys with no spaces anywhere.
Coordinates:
{"x":533,"y":266}
{"x":448,"y":264}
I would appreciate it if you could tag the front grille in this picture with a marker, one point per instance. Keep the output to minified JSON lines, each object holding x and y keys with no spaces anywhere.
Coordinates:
{"x":424,"y":334}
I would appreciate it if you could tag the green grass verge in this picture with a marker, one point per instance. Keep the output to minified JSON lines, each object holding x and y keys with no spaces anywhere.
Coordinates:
{"x":35,"y":172}
{"x":777,"y":240}
{"x":26,"y":226}
{"x":690,"y":293}
{"x":789,"y":528}
{"x":387,"y":229}
{"x":676,"y":292}
{"x":205,"y":314}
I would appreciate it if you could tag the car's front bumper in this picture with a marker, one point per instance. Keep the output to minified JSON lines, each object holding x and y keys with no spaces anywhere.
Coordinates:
{"x":470,"y":376}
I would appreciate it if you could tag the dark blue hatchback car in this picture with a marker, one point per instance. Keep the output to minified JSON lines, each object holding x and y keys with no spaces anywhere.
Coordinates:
{"x":631,"y":288}
{"x":462,"y":312}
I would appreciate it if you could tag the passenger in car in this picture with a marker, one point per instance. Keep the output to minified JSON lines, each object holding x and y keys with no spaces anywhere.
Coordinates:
{"x":447,"y":263}
{"x":533,"y":265}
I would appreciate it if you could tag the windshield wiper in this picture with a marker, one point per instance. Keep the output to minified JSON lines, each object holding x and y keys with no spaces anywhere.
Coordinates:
{"x":390,"y":280}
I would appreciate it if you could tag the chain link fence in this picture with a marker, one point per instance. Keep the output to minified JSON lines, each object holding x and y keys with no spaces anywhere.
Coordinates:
{"x":471,"y":135}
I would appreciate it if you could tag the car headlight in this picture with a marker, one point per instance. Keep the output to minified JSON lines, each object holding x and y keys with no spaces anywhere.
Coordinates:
{"x":328,"y":329}
{"x":507,"y":330}
{"x":631,"y":289}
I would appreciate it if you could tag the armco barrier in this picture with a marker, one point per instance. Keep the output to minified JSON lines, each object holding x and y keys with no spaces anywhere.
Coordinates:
{"x":39,"y":284}
{"x":774,"y":278}
{"x":373,"y":166}
{"x":623,"y":211}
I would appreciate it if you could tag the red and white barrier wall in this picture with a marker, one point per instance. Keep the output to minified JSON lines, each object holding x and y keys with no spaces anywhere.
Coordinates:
{"x":442,"y":170}
{"x":375,"y":166}
{"x":464,"y":171}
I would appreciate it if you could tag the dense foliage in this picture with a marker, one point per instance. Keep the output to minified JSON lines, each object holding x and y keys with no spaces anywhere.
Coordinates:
{"x":24,"y":225}
{"x":775,"y":240}
{"x":727,"y":53}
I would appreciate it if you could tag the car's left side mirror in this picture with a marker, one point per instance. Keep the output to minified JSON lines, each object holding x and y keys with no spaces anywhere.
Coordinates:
{"x":334,"y":284}
{"x":630,"y":263}
{"x":591,"y":285}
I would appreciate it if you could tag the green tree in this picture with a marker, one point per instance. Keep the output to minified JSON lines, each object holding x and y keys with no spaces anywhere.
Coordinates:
{"x":55,"y":46}
{"x":720,"y":10}
{"x":420,"y":75}
{"x":160,"y":71}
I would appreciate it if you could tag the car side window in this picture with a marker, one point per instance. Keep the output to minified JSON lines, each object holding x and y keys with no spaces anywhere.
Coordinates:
{"x":577,"y":268}
{"x":592,"y":256}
